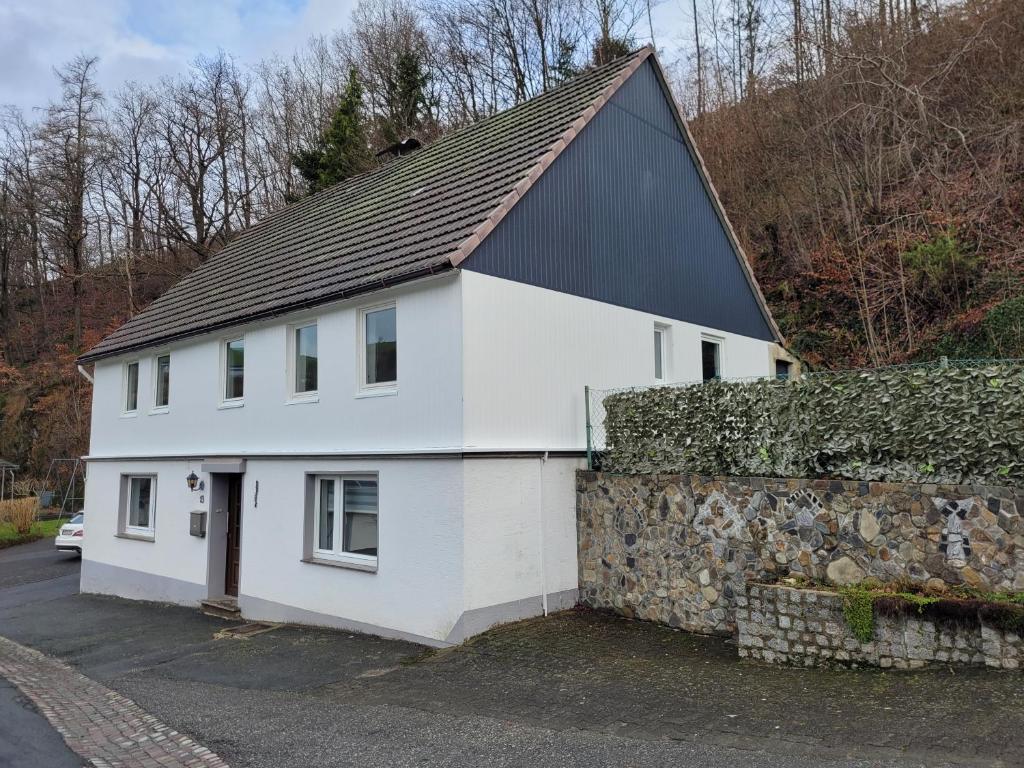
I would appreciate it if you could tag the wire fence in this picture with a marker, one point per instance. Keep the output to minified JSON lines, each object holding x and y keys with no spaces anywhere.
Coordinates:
{"x":597,"y":437}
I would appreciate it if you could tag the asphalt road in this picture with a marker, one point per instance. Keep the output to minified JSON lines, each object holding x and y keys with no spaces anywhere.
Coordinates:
{"x":32,"y":574}
{"x":572,"y":690}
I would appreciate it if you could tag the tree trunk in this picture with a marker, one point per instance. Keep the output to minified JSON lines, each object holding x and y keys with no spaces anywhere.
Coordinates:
{"x":701,"y":104}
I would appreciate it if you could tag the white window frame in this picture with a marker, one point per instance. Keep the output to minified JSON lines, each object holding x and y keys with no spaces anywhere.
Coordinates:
{"x":337,"y":554}
{"x":313,"y":395}
{"x":138,"y":530}
{"x":225,"y":401}
{"x":663,"y":335}
{"x":155,"y":386}
{"x":125,"y":411}
{"x":384,"y":387}
{"x":718,"y":341}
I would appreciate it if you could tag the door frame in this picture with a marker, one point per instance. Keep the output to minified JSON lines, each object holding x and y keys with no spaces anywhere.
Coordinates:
{"x":233,"y":554}
{"x":220,"y":474}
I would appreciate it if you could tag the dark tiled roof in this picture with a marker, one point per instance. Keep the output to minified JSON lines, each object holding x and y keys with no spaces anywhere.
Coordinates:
{"x":421,"y":213}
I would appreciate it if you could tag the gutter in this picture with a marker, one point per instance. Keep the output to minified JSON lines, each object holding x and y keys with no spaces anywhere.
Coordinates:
{"x":85,"y":374}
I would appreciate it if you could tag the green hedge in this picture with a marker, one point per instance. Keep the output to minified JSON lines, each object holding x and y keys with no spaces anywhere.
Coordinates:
{"x":919,"y":424}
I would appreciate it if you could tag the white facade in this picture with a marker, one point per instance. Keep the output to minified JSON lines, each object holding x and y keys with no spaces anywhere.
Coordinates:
{"x":424,"y":413}
{"x":476,"y":504}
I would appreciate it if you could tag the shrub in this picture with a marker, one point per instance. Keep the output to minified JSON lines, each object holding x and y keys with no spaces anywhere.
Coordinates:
{"x":1004,"y":325}
{"x":19,"y":513}
{"x":941,"y":270}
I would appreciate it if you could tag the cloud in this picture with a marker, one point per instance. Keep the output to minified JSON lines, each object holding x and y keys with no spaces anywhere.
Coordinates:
{"x":144,"y":40}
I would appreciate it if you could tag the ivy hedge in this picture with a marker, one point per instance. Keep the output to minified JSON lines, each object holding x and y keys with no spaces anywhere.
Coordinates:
{"x":944,"y":424}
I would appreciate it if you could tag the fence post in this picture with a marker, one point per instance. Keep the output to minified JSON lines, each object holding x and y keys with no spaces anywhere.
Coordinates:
{"x":590,"y":455}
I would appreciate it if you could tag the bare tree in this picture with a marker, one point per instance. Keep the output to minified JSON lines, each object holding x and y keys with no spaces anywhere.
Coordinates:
{"x":70,"y":151}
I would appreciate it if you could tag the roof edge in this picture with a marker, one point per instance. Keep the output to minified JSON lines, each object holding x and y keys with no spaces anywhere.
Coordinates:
{"x":432,"y":270}
{"x":509,"y":201}
{"x":716,"y":202}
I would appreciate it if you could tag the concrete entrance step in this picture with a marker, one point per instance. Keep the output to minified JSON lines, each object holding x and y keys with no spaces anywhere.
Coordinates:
{"x":221,"y":607}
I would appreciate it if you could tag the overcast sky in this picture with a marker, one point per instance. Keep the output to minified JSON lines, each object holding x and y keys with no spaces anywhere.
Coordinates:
{"x":144,"y":40}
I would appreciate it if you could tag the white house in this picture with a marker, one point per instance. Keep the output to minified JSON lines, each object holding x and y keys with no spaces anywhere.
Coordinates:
{"x":367,"y":411}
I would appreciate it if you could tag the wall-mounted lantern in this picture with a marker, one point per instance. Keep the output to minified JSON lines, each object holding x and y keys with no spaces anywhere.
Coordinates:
{"x":193,"y":481}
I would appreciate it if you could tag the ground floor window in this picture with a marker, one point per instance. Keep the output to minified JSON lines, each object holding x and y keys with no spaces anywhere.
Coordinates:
{"x":139,"y":504}
{"x":345,"y":517}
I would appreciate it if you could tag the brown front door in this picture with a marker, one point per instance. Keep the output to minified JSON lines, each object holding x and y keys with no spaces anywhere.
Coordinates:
{"x":234,"y":534}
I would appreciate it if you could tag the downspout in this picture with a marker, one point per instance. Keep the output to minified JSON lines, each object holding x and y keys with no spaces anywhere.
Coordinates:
{"x":540,"y":533}
{"x":85,"y":375}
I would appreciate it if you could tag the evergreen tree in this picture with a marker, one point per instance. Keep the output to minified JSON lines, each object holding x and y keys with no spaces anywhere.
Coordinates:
{"x":565,"y":67}
{"x":609,"y":47}
{"x":406,"y":97}
{"x":342,"y":150}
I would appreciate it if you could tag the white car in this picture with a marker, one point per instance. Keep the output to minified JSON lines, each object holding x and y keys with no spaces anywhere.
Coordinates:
{"x":71,"y":535}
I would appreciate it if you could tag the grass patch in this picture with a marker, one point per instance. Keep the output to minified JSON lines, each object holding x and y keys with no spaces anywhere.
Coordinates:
{"x":859,"y":612}
{"x":41,"y":529}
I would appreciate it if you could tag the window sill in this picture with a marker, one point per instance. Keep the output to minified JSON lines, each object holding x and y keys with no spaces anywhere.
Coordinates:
{"x":382,"y":392}
{"x":161,"y":409}
{"x":229,"y":404}
{"x":350,"y":564}
{"x":302,"y":399}
{"x":135,"y":536}
{"x":129,"y":414}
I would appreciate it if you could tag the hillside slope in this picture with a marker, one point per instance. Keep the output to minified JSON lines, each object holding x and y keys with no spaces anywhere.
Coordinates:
{"x":883,"y":203}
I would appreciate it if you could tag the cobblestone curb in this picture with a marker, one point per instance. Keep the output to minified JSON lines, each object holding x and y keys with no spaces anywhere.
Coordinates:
{"x":103,"y":727}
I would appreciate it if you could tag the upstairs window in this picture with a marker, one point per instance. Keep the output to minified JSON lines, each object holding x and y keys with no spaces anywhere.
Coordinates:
{"x":379,"y":332}
{"x":131,"y":387}
{"x":711,"y":358}
{"x":162,"y":376}
{"x":660,"y":354}
{"x":304,"y":360}
{"x":234,"y":370}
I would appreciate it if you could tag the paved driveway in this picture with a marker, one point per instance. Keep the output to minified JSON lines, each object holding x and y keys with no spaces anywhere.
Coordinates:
{"x":577,"y":689}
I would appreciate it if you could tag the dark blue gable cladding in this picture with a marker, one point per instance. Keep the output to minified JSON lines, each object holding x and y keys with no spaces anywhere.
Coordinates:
{"x":623,"y":217}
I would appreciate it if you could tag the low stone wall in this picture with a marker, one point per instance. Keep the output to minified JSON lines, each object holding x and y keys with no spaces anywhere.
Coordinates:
{"x":807,"y":627}
{"x":680,"y":549}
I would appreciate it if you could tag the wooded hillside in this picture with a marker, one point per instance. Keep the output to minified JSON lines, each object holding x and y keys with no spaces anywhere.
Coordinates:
{"x":869,"y":153}
{"x":877,"y":177}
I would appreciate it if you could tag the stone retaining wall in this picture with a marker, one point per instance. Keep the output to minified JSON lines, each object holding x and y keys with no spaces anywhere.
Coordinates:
{"x":807,"y":627}
{"x":680,"y":549}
